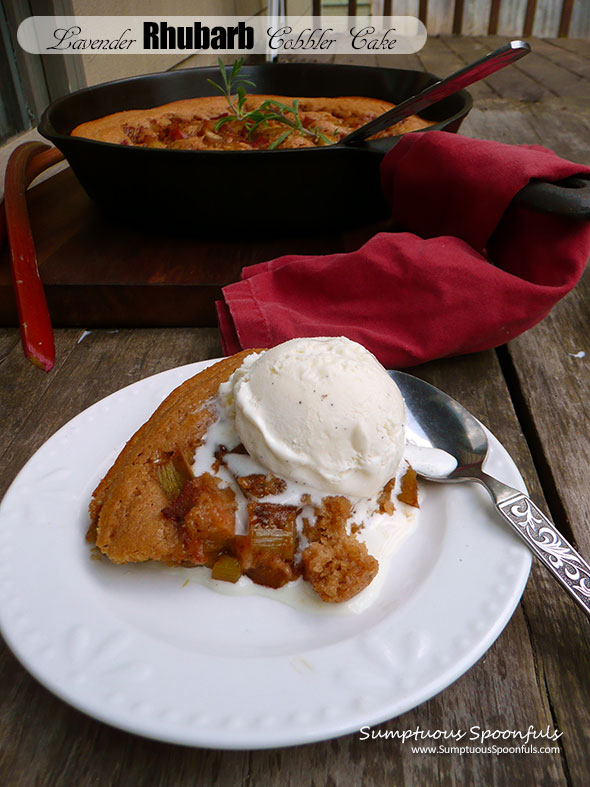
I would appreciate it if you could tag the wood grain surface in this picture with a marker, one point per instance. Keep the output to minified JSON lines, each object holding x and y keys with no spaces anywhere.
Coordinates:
{"x":100,"y":271}
{"x":532,"y":394}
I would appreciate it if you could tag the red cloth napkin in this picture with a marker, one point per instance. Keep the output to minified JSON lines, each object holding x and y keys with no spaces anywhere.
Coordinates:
{"x":471,"y":272}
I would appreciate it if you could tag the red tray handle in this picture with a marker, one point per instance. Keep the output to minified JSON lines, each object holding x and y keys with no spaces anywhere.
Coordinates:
{"x":26,"y":162}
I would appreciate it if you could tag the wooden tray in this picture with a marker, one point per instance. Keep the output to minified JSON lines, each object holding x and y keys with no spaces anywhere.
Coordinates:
{"x":99,"y":271}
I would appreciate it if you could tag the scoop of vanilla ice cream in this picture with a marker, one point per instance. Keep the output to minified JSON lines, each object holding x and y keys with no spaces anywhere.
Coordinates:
{"x":323,"y":412}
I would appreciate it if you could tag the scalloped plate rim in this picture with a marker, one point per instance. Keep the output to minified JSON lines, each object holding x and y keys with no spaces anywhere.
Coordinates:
{"x":259,"y":738}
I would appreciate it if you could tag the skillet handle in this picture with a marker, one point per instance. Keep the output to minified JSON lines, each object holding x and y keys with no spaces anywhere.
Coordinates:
{"x":568,"y":197}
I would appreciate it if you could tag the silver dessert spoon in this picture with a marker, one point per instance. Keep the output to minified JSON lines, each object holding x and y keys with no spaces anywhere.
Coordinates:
{"x":442,"y":423}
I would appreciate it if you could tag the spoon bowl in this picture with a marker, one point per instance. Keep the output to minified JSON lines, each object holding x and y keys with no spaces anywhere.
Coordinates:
{"x":436,"y":421}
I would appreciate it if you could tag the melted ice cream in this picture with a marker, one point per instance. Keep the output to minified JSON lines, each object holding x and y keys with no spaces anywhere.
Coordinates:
{"x":383,"y":534}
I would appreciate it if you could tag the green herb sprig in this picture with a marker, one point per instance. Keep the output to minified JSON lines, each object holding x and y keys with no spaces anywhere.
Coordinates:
{"x":233,"y":83}
{"x":233,"y":88}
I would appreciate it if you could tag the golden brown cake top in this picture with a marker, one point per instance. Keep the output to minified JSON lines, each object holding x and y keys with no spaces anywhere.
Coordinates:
{"x":154,"y":505}
{"x":193,"y":124}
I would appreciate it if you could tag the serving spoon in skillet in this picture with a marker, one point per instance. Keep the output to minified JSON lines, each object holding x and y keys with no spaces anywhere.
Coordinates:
{"x":474,"y":72}
{"x":442,"y":423}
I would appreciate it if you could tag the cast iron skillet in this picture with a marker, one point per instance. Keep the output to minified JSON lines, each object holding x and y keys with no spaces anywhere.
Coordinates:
{"x":265,"y":191}
{"x":217,"y":191}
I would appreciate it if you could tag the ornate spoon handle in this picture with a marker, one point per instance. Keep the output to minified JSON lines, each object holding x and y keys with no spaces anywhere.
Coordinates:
{"x":540,"y":534}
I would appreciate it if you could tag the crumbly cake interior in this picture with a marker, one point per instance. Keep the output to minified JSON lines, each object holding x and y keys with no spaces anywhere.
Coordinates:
{"x":191,"y":124}
{"x":137,"y":514}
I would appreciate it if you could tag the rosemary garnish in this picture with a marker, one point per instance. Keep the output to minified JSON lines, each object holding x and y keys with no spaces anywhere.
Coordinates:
{"x":234,"y":90}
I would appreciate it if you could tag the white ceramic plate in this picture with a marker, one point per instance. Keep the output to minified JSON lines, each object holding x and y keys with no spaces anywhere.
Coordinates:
{"x":142,"y":649}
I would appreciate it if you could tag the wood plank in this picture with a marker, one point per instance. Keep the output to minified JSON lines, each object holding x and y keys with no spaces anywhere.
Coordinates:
{"x":36,"y":404}
{"x":9,"y":338}
{"x":551,"y":50}
{"x":469,"y":49}
{"x":375,"y":763}
{"x":476,"y":18}
{"x":24,"y":387}
{"x":511,"y":18}
{"x":487,"y":401}
{"x":551,"y":392}
{"x":553,"y":77}
{"x":62,"y":744}
{"x":440,"y":17}
{"x":98,"y":270}
{"x":101,"y":363}
{"x":78,"y":750}
{"x":398,"y":8}
{"x":438,"y":59}
{"x":551,"y":121}
{"x":513,"y":81}
{"x":535,"y":674}
{"x":506,"y":83}
{"x":365,"y":59}
{"x":566,"y":18}
{"x":577,"y":46}
{"x":566,"y":326}
{"x":423,"y":12}
{"x":310,"y":58}
{"x":551,"y":616}
{"x":529,"y":18}
{"x":580,"y":26}
{"x":555,"y":385}
{"x":409,"y":62}
{"x":458,"y":17}
{"x":547,"y":18}
{"x":102,"y":271}
{"x":494,"y":17}
{"x":560,"y":124}
{"x":502,"y":120}
{"x":563,"y":124}
{"x":552,"y":386}
{"x":562,"y":667}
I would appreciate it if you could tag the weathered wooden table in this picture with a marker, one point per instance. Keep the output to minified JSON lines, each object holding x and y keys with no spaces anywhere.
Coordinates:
{"x":532,"y":394}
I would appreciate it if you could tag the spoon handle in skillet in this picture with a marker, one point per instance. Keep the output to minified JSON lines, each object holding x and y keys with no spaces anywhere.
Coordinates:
{"x":542,"y":537}
{"x":480,"y":69}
